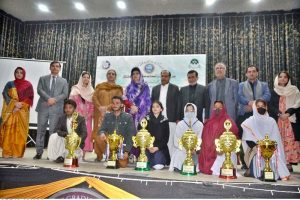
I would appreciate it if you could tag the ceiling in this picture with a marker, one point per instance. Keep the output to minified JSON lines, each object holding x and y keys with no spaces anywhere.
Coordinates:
{"x":27,"y":10}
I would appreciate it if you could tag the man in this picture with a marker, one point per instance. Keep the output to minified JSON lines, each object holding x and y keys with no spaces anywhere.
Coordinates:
{"x":120,"y":121}
{"x":167,"y":93}
{"x":52,"y":89}
{"x":193,"y":93}
{"x":222,"y":89}
{"x":102,"y":100}
{"x":56,"y":145}
{"x":249,"y":91}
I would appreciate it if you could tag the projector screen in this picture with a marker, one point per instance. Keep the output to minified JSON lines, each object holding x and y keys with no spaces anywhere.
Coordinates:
{"x":34,"y":70}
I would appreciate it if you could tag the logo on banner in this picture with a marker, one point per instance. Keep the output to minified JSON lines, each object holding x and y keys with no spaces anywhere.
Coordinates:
{"x":77,"y":193}
{"x":105,"y":64}
{"x":149,"y":68}
{"x":194,"y":63}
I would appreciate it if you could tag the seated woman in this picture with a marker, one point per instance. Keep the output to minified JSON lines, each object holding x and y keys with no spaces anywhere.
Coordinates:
{"x":158,"y":126}
{"x":210,"y":161}
{"x":56,"y":145}
{"x":190,"y":119}
{"x":255,"y":128}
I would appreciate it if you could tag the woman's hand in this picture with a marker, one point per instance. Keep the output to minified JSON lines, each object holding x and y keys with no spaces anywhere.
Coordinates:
{"x":134,"y":109}
{"x":18,"y":105}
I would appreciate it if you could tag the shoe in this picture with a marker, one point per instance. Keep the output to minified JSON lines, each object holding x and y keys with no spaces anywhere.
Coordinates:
{"x":244,"y":167}
{"x":290,"y":167}
{"x":37,"y":156}
{"x":247,"y":173}
{"x":59,"y":159}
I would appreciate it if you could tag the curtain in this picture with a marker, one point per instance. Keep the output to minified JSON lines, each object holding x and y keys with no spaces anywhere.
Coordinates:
{"x":269,"y":40}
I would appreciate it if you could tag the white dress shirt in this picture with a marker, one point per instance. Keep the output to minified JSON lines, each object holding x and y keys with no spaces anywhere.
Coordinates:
{"x":163,"y":98}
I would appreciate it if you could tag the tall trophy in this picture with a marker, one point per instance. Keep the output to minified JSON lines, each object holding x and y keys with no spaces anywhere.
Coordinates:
{"x":143,"y":139}
{"x":190,"y":142}
{"x":227,"y":143}
{"x":267,"y":148}
{"x":114,"y":141}
{"x":72,"y":142}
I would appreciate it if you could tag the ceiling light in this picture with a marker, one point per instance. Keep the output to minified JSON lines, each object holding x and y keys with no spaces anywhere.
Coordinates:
{"x":209,"y":2}
{"x":43,"y":8}
{"x":255,"y":1}
{"x":79,"y":6}
{"x":121,"y":5}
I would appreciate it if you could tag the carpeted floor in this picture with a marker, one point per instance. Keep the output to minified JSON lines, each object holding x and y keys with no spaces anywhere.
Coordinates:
{"x":12,"y":176}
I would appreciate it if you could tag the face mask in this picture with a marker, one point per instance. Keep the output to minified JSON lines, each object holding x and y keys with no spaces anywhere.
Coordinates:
{"x":217,"y":111}
{"x":189,"y":115}
{"x":261,"y":110}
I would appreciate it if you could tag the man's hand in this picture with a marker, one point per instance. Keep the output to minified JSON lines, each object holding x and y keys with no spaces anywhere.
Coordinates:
{"x":248,"y":108}
{"x":250,"y":103}
{"x":134,"y":109}
{"x":51,"y":101}
{"x":284,"y":116}
{"x":18,"y":105}
{"x":153,"y":149}
{"x":103,"y":136}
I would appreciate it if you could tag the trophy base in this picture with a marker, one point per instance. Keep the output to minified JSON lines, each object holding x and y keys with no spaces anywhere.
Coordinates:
{"x":71,"y":162}
{"x":188,"y":170}
{"x":142,"y":166}
{"x":112,"y":164}
{"x":228,"y":173}
{"x":268,"y":176}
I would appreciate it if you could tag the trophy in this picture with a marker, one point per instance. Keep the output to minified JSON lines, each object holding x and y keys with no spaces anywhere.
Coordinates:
{"x":114,"y":141}
{"x":143,"y":139}
{"x":72,"y":142}
{"x":190,"y":142}
{"x":267,"y":148}
{"x":226,"y":144}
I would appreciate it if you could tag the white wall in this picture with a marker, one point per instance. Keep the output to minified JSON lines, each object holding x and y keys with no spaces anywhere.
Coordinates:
{"x":34,"y":70}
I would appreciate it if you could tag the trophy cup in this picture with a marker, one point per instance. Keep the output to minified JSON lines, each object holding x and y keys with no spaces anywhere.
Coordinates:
{"x":226,"y":144}
{"x":267,"y":148}
{"x":190,"y":142}
{"x":72,"y":142}
{"x":143,"y":139}
{"x":114,"y":141}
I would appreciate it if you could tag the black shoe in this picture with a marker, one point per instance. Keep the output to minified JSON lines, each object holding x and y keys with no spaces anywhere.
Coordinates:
{"x":244,"y":167}
{"x":37,"y":156}
{"x":59,"y":159}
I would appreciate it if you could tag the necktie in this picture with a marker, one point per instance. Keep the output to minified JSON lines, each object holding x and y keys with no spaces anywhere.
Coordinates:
{"x":53,"y":85}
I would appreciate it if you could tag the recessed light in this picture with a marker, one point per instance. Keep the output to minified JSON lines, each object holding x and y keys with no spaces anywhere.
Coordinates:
{"x":43,"y":8}
{"x":79,"y":6}
{"x":209,"y":2}
{"x":121,"y":5}
{"x":255,"y":1}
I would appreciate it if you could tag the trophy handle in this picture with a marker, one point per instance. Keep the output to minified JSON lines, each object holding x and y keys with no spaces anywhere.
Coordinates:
{"x":151,"y":141}
{"x":218,"y":149}
{"x":198,"y":147}
{"x":79,"y":141}
{"x":134,"y":141}
{"x":237,"y":147}
{"x":180,"y":144}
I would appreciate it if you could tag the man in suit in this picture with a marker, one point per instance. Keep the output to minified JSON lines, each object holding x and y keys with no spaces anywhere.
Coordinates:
{"x":56,"y":146}
{"x":52,"y":89}
{"x":167,"y":93}
{"x":193,"y":93}
{"x":222,"y":89}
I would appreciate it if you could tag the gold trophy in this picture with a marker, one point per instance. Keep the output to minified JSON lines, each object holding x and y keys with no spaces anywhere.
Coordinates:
{"x":190,"y":142}
{"x":143,"y":139}
{"x":267,"y":148}
{"x":72,"y":142}
{"x":114,"y":141}
{"x":226,"y":144}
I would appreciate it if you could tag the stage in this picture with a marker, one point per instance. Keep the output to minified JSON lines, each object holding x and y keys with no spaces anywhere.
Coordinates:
{"x":153,"y":184}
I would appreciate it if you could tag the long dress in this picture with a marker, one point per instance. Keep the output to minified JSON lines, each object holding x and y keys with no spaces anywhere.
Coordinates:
{"x":256,"y":128}
{"x":179,"y":155}
{"x":14,"y":126}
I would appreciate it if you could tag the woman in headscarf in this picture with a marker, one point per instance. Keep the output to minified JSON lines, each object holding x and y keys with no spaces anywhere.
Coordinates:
{"x":82,"y":94}
{"x":137,"y":99}
{"x":210,"y":161}
{"x":285,"y":101}
{"x":14,"y":121}
{"x":256,"y":128}
{"x":189,"y":120}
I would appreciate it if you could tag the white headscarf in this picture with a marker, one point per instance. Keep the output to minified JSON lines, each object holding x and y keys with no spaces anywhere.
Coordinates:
{"x":292,"y":95}
{"x":194,"y":117}
{"x":84,"y":92}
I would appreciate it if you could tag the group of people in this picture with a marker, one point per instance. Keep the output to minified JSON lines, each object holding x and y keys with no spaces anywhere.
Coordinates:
{"x":252,"y":108}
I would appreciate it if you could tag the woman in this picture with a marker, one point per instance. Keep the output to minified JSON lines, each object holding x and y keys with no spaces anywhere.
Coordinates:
{"x":14,"y":123}
{"x":82,"y":94}
{"x":210,"y":161}
{"x":137,"y":99}
{"x":285,"y":101}
{"x":256,"y":128}
{"x":158,"y":126}
{"x":189,"y":120}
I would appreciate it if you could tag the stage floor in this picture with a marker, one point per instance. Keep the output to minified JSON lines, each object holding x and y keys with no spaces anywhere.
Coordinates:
{"x":90,"y":167}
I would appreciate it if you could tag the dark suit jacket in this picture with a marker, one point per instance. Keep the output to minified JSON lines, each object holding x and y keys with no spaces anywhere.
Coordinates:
{"x":62,"y":130}
{"x":172,"y":100}
{"x":200,"y":100}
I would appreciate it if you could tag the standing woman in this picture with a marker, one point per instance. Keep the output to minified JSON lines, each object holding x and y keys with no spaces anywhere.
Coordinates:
{"x":82,"y":94}
{"x":14,"y":122}
{"x":158,"y":126}
{"x":285,"y":100}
